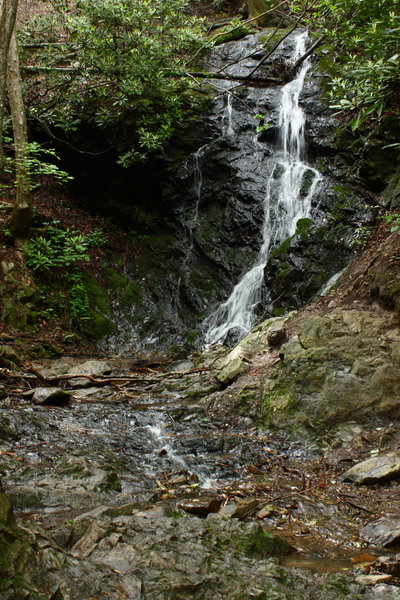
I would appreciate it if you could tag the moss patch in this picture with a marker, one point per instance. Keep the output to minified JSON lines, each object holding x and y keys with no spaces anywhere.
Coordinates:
{"x":262,"y":545}
{"x":247,"y":400}
{"x":6,"y":431}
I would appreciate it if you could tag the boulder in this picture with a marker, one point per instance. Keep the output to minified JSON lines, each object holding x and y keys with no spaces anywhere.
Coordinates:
{"x":389,"y":564}
{"x":92,"y":368}
{"x":373,"y":579}
{"x":239,"y":508}
{"x":232,"y":369}
{"x":382,"y":591}
{"x":269,"y":333}
{"x":50,"y":396}
{"x":276,"y":335}
{"x":383,"y":532}
{"x":203,"y":505}
{"x":256,"y":10}
{"x":378,"y":468}
{"x":340,"y":366}
{"x":180,"y":366}
{"x":8,"y":357}
{"x":55,"y":368}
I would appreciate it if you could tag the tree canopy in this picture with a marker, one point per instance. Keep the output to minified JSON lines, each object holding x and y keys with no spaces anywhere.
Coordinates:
{"x":363,"y":37}
{"x":113,"y":62}
{"x":108,"y":62}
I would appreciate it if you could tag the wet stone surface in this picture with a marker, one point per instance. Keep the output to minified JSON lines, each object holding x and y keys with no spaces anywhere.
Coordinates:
{"x":114,"y":470}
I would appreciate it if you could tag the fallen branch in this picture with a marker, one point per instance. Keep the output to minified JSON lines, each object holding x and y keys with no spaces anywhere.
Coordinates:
{"x":307,"y":54}
{"x":100,"y":381}
{"x":103,"y":381}
{"x":357,"y":506}
{"x":246,"y":78}
{"x":65,"y":143}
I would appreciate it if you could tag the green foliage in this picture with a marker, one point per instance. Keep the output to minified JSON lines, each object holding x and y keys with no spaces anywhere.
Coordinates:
{"x":361,"y":235}
{"x":78,"y":298}
{"x":34,"y":166}
{"x":55,"y":256}
{"x":96,"y":238}
{"x":57,"y":248}
{"x":363,"y":37}
{"x":115,"y":64}
{"x":393,"y":220}
{"x":263,"y":126}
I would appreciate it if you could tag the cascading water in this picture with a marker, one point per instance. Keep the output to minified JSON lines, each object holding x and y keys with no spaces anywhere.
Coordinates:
{"x":229,"y":120}
{"x":290,"y":188}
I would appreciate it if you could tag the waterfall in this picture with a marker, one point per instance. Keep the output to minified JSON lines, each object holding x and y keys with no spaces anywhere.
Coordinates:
{"x":229,"y":119}
{"x":197,"y":183}
{"x":290,"y":187}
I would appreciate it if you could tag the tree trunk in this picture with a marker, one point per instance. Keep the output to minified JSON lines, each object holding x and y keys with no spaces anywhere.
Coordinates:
{"x":8,"y":11}
{"x":20,"y":220}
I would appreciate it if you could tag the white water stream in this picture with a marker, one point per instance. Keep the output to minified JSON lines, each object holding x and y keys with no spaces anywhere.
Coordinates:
{"x":229,"y":120}
{"x":290,"y":187}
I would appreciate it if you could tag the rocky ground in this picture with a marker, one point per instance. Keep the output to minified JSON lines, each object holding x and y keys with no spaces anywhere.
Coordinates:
{"x":133,"y":478}
{"x":276,"y":461}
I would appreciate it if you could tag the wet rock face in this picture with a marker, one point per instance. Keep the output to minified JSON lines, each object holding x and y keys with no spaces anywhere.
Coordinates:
{"x":324,"y":243}
{"x":214,"y":209}
{"x":340,"y":366}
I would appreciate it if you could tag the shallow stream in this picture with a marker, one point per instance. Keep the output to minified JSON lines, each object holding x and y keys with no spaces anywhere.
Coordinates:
{"x":105,"y":449}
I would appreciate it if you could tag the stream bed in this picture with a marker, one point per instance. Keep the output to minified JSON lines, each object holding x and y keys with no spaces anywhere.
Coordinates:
{"x":146,"y":488}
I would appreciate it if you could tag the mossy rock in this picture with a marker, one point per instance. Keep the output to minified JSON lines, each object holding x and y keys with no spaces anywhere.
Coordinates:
{"x":11,"y":544}
{"x":100,"y":324}
{"x":128,"y":291}
{"x":231,"y":33}
{"x":259,"y":544}
{"x":112,"y":483}
{"x":18,"y":294}
{"x":256,"y":10}
{"x":6,"y":431}
{"x":9,"y":357}
{"x":247,"y":400}
{"x":45,"y":350}
{"x":283,"y":248}
{"x":303,"y":227}
{"x":341,"y":365}
{"x":6,"y":514}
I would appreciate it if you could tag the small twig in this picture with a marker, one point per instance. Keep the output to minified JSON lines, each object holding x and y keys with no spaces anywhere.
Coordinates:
{"x":293,"y":494}
{"x":358,"y":507}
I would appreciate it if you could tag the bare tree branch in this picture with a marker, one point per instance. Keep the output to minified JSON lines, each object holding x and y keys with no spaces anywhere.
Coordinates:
{"x":65,"y":143}
{"x":202,"y":75}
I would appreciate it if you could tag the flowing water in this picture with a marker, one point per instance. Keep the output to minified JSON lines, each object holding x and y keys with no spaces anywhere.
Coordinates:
{"x":229,"y":120}
{"x":103,"y":449}
{"x":291,"y":184}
